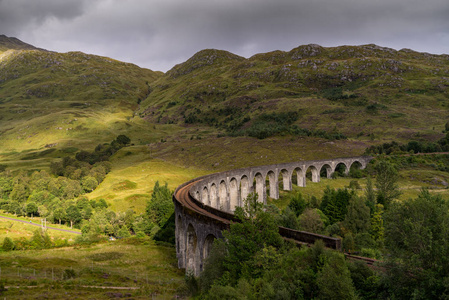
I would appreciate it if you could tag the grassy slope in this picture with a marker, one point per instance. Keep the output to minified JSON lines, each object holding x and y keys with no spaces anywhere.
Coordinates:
{"x":409,"y":90}
{"x":75,"y":101}
{"x":16,"y":230}
{"x":123,"y":263}
{"x":70,"y":99}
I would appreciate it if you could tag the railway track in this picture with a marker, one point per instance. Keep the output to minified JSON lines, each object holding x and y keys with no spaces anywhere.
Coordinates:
{"x":182,"y":195}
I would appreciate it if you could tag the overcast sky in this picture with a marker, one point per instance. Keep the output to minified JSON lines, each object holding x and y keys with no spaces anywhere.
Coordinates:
{"x":158,"y":34}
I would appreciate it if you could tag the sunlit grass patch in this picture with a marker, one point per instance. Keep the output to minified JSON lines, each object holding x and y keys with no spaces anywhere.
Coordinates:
{"x":124,"y":185}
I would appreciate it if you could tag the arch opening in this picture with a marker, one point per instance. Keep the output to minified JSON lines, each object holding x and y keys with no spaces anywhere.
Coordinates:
{"x":326,"y":171}
{"x":207,"y":247}
{"x":341,"y":170}
{"x":355,"y":170}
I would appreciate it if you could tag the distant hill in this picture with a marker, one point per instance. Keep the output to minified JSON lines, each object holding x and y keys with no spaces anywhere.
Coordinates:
{"x":65,"y":99}
{"x":364,"y":92}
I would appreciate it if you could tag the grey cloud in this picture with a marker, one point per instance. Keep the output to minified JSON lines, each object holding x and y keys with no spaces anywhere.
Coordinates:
{"x":160,"y":33}
{"x":19,"y":15}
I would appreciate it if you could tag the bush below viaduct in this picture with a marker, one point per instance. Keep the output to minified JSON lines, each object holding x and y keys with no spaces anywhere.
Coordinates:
{"x":204,"y":206}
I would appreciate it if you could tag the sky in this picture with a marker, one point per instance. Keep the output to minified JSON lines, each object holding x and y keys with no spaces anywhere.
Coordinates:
{"x":158,"y":34}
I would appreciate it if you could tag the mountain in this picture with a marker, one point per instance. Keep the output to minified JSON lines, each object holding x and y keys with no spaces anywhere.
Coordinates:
{"x":310,"y":102}
{"x":12,"y":43}
{"x":367,"y":92}
{"x":65,"y":99}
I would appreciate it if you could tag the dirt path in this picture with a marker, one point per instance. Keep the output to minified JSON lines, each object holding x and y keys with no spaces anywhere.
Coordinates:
{"x":39,"y":225}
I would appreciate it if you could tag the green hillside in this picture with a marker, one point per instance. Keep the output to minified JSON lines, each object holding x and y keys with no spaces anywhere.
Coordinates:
{"x":214,"y":112}
{"x":364,"y":92}
{"x":70,"y":99}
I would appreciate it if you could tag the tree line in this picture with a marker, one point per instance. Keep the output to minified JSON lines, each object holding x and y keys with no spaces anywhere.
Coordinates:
{"x":58,"y":196}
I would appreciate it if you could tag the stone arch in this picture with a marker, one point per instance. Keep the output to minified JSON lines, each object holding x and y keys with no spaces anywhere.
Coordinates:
{"x":197,"y":195}
{"x":245,"y":188}
{"x":222,"y":195}
{"x":341,"y":168}
{"x":233,"y":194}
{"x":286,"y":180}
{"x":326,"y":171}
{"x":355,"y":167}
{"x":273,"y":185}
{"x":300,"y":177}
{"x":207,"y":247}
{"x":180,"y":241}
{"x":213,"y":196}
{"x":315,"y":174}
{"x":205,"y":196}
{"x":260,"y":187}
{"x":192,"y":254}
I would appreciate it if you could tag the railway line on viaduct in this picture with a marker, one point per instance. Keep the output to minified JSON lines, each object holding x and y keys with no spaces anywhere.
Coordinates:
{"x":204,"y":206}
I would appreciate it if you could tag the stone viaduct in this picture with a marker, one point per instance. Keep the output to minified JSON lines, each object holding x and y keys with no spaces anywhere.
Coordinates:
{"x":204,"y":206}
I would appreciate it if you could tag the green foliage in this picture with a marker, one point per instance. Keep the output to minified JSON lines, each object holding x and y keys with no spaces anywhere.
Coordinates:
{"x":394,"y":147}
{"x":386,"y":182}
{"x":334,"y":280}
{"x":297,"y":204}
{"x":251,"y":207}
{"x":248,"y":237}
{"x":311,"y":221}
{"x":102,"y":152}
{"x":69,"y":274}
{"x":416,"y":236}
{"x":123,"y":139}
{"x":335,"y":202}
{"x":288,"y":219}
{"x":31,"y":209}
{"x":123,"y":232}
{"x":8,"y":244}
{"x":365,"y":280}
{"x":357,"y":218}
{"x":377,"y":223}
{"x":349,"y":243}
{"x":279,"y":273}
{"x":266,"y":125}
{"x":73,"y":214}
{"x":160,"y":207}
{"x":167,"y":232}
{"x":370,"y":194}
{"x":40,"y":240}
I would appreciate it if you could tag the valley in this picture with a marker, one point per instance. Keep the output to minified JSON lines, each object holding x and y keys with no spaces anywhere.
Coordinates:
{"x":215,"y":112}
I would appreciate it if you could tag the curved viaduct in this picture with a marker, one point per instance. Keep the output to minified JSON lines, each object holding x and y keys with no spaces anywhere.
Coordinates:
{"x":204,"y":206}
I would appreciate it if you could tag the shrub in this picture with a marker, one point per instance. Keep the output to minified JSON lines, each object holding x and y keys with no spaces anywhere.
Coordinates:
{"x":69,"y":274}
{"x":8,"y":244}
